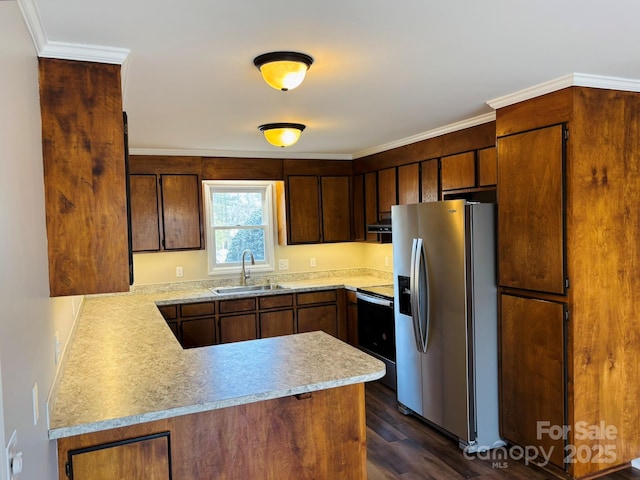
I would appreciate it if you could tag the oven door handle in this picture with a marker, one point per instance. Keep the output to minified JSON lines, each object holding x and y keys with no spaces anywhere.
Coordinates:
{"x":375,"y":300}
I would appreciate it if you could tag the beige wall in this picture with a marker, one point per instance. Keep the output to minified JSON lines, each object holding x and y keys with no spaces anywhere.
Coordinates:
{"x":151,"y":268}
{"x":29,"y":318}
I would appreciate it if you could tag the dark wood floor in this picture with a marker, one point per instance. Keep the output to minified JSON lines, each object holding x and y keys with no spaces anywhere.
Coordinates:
{"x":403,"y":447}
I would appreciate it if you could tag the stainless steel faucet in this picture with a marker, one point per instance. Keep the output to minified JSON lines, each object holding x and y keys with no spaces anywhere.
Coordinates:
{"x":246,"y":274}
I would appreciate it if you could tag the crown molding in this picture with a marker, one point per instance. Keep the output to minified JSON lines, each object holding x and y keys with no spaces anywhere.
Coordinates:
{"x":66,"y":51}
{"x":238,"y":154}
{"x":570,"y":80}
{"x":436,"y":132}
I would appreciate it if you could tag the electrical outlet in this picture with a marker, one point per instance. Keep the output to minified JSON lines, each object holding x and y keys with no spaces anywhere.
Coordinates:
{"x":312,"y":261}
{"x":179,"y":272}
{"x":283,"y":264}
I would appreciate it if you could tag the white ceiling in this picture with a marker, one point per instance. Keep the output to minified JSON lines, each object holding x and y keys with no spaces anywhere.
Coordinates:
{"x":384,"y":71}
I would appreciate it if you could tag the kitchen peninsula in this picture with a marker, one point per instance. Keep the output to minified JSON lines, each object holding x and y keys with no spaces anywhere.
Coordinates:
{"x":283,"y":407}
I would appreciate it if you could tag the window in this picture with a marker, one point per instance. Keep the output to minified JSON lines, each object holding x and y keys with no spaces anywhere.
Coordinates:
{"x":239,"y":218}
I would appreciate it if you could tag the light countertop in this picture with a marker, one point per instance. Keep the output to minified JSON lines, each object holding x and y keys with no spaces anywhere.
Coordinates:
{"x":125,"y":366}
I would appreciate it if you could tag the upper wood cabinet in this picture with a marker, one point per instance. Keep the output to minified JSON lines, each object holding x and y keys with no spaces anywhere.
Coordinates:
{"x":165,"y":202}
{"x":358,"y":229}
{"x":336,"y":209}
{"x":429,"y":172}
{"x":303,"y":201}
{"x":387,"y":191}
{"x":181,"y":211}
{"x":487,"y":166}
{"x":371,"y":202}
{"x":531,"y":214}
{"x":409,"y":184}
{"x":458,"y":171}
{"x":84,"y":177}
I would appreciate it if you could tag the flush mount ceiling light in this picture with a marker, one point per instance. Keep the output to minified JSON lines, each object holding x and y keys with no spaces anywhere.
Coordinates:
{"x":283,"y":70}
{"x":282,"y":134}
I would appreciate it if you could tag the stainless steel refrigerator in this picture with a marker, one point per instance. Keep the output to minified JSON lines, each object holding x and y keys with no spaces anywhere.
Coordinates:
{"x":444,"y":264}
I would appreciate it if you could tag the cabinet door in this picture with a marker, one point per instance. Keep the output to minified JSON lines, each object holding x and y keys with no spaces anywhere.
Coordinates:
{"x":198,"y":332}
{"x":530,"y":217}
{"x":458,"y":171}
{"x":371,"y":202}
{"x":279,"y":322}
{"x":429,"y":181}
{"x":487,"y":166}
{"x":409,"y":184}
{"x":387,"y":192}
{"x":531,"y":370}
{"x":304,"y":209}
{"x":321,"y":317}
{"x":357,"y":216}
{"x":336,"y":209}
{"x":238,"y":328}
{"x":140,"y":458}
{"x":145,"y":226}
{"x":84,"y":177}
{"x":181,"y":211}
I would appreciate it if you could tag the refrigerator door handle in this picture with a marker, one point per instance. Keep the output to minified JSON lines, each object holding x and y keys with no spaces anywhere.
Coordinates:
{"x":419,"y":310}
{"x":413,"y":287}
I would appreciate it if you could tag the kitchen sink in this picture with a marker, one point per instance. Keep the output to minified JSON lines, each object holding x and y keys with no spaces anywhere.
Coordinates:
{"x":246,"y":289}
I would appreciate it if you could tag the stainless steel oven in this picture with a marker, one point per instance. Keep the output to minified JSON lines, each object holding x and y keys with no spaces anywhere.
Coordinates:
{"x":376,"y":327}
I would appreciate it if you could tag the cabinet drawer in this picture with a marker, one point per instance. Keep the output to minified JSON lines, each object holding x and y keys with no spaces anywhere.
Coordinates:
{"x":240,"y":305}
{"x":275,"y":302}
{"x":351,"y":297}
{"x":197,"y":309}
{"x":169,"y":312}
{"x":317,"y":297}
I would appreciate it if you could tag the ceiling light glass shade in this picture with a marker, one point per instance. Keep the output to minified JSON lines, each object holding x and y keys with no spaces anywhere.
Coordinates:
{"x":283,"y":70}
{"x":282,"y":134}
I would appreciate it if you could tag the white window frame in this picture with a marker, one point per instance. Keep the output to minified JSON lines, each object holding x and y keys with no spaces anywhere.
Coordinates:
{"x":267,"y":189}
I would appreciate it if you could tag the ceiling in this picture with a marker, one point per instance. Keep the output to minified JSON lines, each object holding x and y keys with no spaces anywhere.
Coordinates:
{"x":385,"y":72}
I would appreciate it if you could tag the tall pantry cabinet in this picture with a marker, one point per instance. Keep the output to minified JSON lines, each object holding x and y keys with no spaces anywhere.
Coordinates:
{"x":569,"y":273}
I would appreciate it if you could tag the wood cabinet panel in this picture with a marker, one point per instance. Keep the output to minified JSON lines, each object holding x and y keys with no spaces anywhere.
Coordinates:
{"x":169,"y":311}
{"x":238,"y":305}
{"x":409,"y":184}
{"x":531,"y":213}
{"x":352,"y":320}
{"x":84,"y":177}
{"x":371,"y":202}
{"x":181,"y":211}
{"x":276,"y":301}
{"x":241,"y":169}
{"x":275,"y":323}
{"x":336,"y":209}
{"x":532,"y":361}
{"x":387,"y":190}
{"x":321,"y":436}
{"x":238,"y":328}
{"x":146,"y":457}
{"x":324,"y":296}
{"x":198,"y":332}
{"x":458,"y":171}
{"x":145,"y":221}
{"x":430,"y":191}
{"x":487,"y":166}
{"x":197,"y":309}
{"x":322,"y":317}
{"x":304,"y":209}
{"x":357,"y":210}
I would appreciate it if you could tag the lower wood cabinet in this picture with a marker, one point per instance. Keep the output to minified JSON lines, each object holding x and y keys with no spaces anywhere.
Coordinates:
{"x":352,"y":318}
{"x":532,"y":372}
{"x":321,"y":435}
{"x":202,"y":324}
{"x":146,"y":457}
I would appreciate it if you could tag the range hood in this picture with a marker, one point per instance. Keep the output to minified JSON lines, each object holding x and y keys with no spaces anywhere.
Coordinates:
{"x":382,"y":226}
